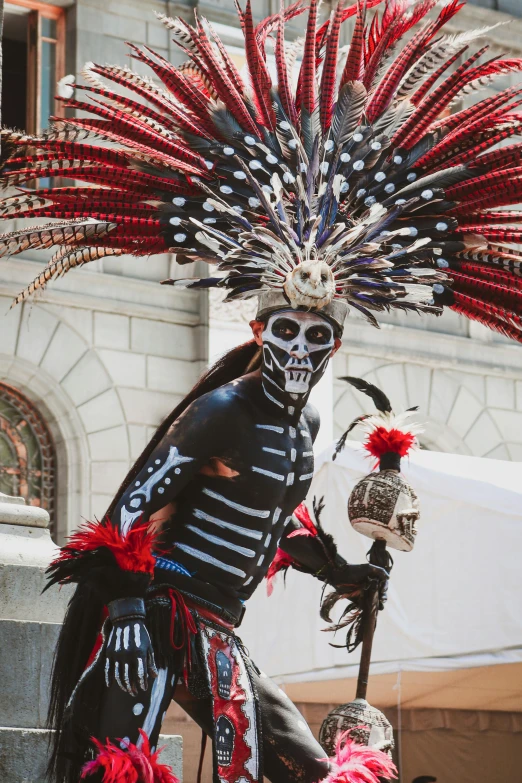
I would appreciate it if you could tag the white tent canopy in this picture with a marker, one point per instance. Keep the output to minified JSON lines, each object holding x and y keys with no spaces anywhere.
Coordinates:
{"x":454,"y":601}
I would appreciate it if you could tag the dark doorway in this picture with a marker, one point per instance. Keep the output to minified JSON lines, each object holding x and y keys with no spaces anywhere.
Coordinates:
{"x":33,"y":62}
{"x":14,"y":67}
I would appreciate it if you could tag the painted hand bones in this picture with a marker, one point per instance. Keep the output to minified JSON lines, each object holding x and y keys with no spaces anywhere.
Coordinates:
{"x":129,"y":658}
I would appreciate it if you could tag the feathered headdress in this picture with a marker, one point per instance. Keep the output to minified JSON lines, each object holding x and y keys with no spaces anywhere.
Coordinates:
{"x":350,"y":185}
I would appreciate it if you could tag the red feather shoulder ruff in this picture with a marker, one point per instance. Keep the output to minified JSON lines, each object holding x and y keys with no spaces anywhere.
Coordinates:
{"x":131,"y":553}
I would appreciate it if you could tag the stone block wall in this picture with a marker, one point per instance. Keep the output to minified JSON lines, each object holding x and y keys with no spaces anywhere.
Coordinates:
{"x":469,"y":390}
{"x":104,"y":358}
{"x":29,"y":628}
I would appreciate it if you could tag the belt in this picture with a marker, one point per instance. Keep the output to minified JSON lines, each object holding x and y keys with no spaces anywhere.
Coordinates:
{"x":210,"y":597}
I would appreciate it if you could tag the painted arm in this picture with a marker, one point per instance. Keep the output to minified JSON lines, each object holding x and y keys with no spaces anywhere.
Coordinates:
{"x":310,"y":549}
{"x":196,"y":436}
{"x":116,"y":555}
{"x":307,"y":547}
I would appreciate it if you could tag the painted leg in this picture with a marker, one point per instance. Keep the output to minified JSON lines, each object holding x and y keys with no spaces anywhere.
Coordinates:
{"x":128,"y":733}
{"x":291,"y":752}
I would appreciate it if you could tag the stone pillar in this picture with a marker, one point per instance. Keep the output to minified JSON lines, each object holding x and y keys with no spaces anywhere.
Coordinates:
{"x":29,"y":627}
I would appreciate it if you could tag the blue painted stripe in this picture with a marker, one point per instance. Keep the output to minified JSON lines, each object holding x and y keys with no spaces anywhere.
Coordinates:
{"x":171,"y":565}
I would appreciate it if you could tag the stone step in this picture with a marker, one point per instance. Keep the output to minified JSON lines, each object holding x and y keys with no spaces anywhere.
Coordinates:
{"x":25,"y":554}
{"x":23,"y":754}
{"x":26,"y":655}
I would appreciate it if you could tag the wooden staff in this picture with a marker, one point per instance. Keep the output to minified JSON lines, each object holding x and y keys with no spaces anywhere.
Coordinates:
{"x":377,"y":553}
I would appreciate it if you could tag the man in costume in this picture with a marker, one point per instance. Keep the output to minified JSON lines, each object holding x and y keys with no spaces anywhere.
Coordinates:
{"x":219,"y":486}
{"x":352,"y":188}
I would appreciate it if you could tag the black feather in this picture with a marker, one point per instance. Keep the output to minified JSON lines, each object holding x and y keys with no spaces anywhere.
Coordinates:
{"x":341,"y":443}
{"x":348,"y":112}
{"x":226,"y":124}
{"x":379,"y":398}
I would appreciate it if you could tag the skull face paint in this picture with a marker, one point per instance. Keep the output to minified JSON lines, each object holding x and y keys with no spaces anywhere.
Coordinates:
{"x":296,"y":350}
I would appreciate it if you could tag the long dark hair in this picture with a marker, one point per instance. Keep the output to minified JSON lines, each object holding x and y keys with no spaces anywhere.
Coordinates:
{"x":245,"y":358}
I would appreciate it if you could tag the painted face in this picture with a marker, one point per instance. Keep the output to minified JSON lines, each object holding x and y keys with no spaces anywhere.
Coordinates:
{"x":296,"y":349}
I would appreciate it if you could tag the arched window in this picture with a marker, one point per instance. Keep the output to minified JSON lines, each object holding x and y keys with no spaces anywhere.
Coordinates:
{"x":27,"y":455}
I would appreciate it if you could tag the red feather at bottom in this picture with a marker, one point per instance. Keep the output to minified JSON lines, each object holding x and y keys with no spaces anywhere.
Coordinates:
{"x":356,"y":763}
{"x":132,"y":765}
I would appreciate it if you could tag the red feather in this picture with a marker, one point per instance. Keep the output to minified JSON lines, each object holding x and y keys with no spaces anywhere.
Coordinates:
{"x":483,"y":271}
{"x":220,"y":79}
{"x":134,"y":139}
{"x":79,"y":210}
{"x":481,"y":116}
{"x":56,"y":150}
{"x":165,"y":105}
{"x":132,"y":553}
{"x":428,"y":83}
{"x":384,"y":35}
{"x":433,"y":104}
{"x":475,"y":186}
{"x":388,"y":86}
{"x":230,"y":67}
{"x":132,"y":765}
{"x":302,"y":515}
{"x":132,"y":126}
{"x":283,"y":83}
{"x":328,"y":77}
{"x":174,"y":81}
{"x":490,"y":216}
{"x":356,"y":763}
{"x":137,"y":110}
{"x":281,"y":562}
{"x":270,"y":23}
{"x":308,"y":89}
{"x":488,"y":315}
{"x":353,"y":66}
{"x":482,"y":141}
{"x":105,"y":175}
{"x":382,"y":441}
{"x":58,"y":194}
{"x":497,"y":234}
{"x":500,"y":158}
{"x":413,"y":50}
{"x":259,"y":75}
{"x":493,"y":292}
{"x":473,"y":113}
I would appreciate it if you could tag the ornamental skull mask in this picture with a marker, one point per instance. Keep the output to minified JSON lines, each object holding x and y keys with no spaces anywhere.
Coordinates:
{"x":296,"y":349}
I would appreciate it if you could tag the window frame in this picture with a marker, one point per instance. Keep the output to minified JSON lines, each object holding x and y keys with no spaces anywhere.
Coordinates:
{"x":41,"y":433}
{"x":39,"y":10}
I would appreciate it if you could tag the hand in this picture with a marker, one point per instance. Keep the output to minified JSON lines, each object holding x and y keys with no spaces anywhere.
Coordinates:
{"x":356,"y":579}
{"x":129,"y":657}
